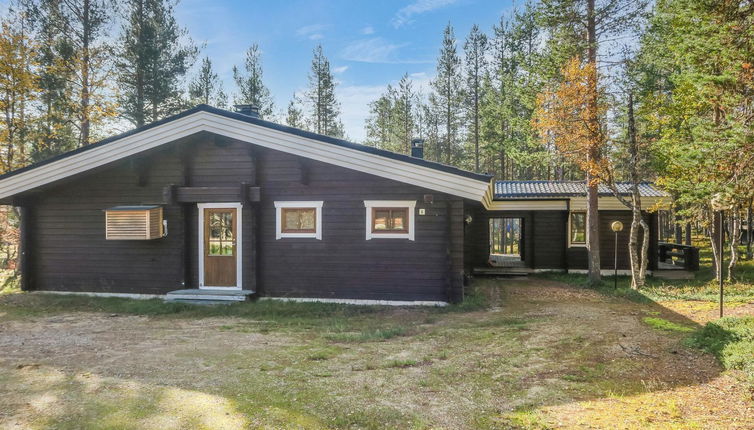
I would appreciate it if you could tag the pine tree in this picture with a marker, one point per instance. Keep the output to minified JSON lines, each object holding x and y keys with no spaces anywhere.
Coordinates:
{"x":404,"y":105}
{"x":83,"y":23}
{"x":54,"y":128}
{"x":152,"y":61}
{"x":324,"y":106}
{"x":509,"y":147}
{"x":250,"y":85}
{"x":475,"y":50}
{"x":599,"y":21}
{"x":206,"y":88}
{"x":380,"y":121}
{"x":294,"y":115}
{"x":18,"y":89}
{"x":448,"y":87}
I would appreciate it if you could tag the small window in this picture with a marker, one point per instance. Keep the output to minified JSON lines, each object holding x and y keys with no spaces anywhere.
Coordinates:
{"x":390,"y":219}
{"x":298,"y":219}
{"x":578,"y":228}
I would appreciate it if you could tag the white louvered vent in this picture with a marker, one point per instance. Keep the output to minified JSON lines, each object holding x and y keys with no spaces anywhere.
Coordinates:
{"x":133,"y":223}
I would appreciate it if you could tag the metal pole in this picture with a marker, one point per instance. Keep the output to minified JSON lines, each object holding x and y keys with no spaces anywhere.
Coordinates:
{"x":721,"y":243}
{"x":615,"y":284}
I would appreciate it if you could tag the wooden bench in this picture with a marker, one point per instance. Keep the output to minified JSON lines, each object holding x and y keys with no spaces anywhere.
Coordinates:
{"x":679,"y":255}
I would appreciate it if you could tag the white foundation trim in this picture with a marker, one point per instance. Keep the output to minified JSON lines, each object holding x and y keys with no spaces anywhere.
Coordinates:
{"x":359,"y":301}
{"x":239,"y":243}
{"x":95,"y":294}
{"x":317,"y":205}
{"x":409,"y":204}
{"x":605,"y":272}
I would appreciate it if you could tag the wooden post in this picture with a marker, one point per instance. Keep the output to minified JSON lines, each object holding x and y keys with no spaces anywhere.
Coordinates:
{"x":688,"y":233}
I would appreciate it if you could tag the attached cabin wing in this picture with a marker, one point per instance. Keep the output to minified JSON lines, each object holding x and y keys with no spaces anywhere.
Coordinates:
{"x":564,"y":195}
{"x":203,"y":118}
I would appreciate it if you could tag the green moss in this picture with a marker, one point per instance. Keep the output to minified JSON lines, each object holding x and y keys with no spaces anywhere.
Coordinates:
{"x":665,"y":325}
{"x":731,"y":340}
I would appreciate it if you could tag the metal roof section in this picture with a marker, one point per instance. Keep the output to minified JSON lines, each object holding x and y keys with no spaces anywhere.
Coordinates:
{"x":511,"y":190}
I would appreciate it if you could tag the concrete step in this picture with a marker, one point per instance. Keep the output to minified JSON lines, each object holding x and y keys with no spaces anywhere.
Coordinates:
{"x":208,"y":295}
{"x":503,"y":271}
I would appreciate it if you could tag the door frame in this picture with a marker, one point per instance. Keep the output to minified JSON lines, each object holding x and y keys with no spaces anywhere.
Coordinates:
{"x":239,"y":243}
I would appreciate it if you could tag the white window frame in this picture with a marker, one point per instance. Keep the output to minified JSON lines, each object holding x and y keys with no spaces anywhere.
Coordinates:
{"x":586,"y":231}
{"x":239,"y":243}
{"x":409,"y":204}
{"x":279,"y":205}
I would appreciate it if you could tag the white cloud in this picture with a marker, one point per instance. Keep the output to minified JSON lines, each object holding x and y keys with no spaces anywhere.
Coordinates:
{"x":367,"y":30}
{"x":404,"y":16}
{"x":340,"y":69}
{"x":376,"y":50}
{"x":312,"y":32}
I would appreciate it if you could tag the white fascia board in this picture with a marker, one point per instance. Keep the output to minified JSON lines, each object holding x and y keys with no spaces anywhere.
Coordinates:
{"x":269,"y":138}
{"x":96,"y":157}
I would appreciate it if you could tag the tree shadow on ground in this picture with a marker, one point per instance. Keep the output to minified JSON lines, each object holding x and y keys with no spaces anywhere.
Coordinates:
{"x":544,"y":353}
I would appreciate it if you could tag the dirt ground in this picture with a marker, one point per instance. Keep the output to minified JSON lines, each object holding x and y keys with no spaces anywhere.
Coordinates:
{"x":548,"y":356}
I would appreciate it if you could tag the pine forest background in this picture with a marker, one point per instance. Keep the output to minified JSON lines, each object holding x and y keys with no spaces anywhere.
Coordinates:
{"x":558,"y":89}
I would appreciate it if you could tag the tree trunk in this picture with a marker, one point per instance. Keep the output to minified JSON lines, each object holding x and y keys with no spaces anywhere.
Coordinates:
{"x":592,"y":210}
{"x":593,"y":230}
{"x":85,"y":65}
{"x":748,"y":230}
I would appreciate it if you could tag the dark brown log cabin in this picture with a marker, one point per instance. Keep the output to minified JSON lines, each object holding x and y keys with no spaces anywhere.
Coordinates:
{"x":213,"y":201}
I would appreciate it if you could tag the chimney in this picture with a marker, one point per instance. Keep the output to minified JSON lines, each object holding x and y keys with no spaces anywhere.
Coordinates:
{"x":417,"y":148}
{"x":249,"y":110}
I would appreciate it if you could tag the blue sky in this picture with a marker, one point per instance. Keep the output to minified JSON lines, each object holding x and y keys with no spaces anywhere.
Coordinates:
{"x":369,"y":43}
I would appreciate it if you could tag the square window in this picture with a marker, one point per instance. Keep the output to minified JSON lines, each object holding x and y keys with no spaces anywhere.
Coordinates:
{"x":390,"y":219}
{"x":298,"y":220}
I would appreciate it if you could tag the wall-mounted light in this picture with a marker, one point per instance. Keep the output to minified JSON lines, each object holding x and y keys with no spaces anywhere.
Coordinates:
{"x":468,"y":219}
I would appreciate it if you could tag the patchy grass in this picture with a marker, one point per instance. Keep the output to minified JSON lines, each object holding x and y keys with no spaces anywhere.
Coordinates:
{"x":523,"y":355}
{"x":663,"y":324}
{"x":369,"y":335}
{"x":731,"y":340}
{"x":703,"y":288}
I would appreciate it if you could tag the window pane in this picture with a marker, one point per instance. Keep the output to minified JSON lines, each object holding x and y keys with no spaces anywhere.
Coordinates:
{"x":578,"y":227}
{"x":307,"y":219}
{"x":220,"y":248}
{"x":226,"y":230}
{"x":299,"y":219}
{"x":399,"y":220}
{"x":290,"y":219}
{"x":381,"y":219}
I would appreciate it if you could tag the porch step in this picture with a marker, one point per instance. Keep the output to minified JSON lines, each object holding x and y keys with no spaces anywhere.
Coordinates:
{"x":208,"y":296}
{"x":502,"y":271}
{"x":673,"y":274}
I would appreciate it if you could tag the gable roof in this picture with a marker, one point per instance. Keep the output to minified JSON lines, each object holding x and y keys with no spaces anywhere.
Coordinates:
{"x":555,"y":189}
{"x":400,"y":167}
